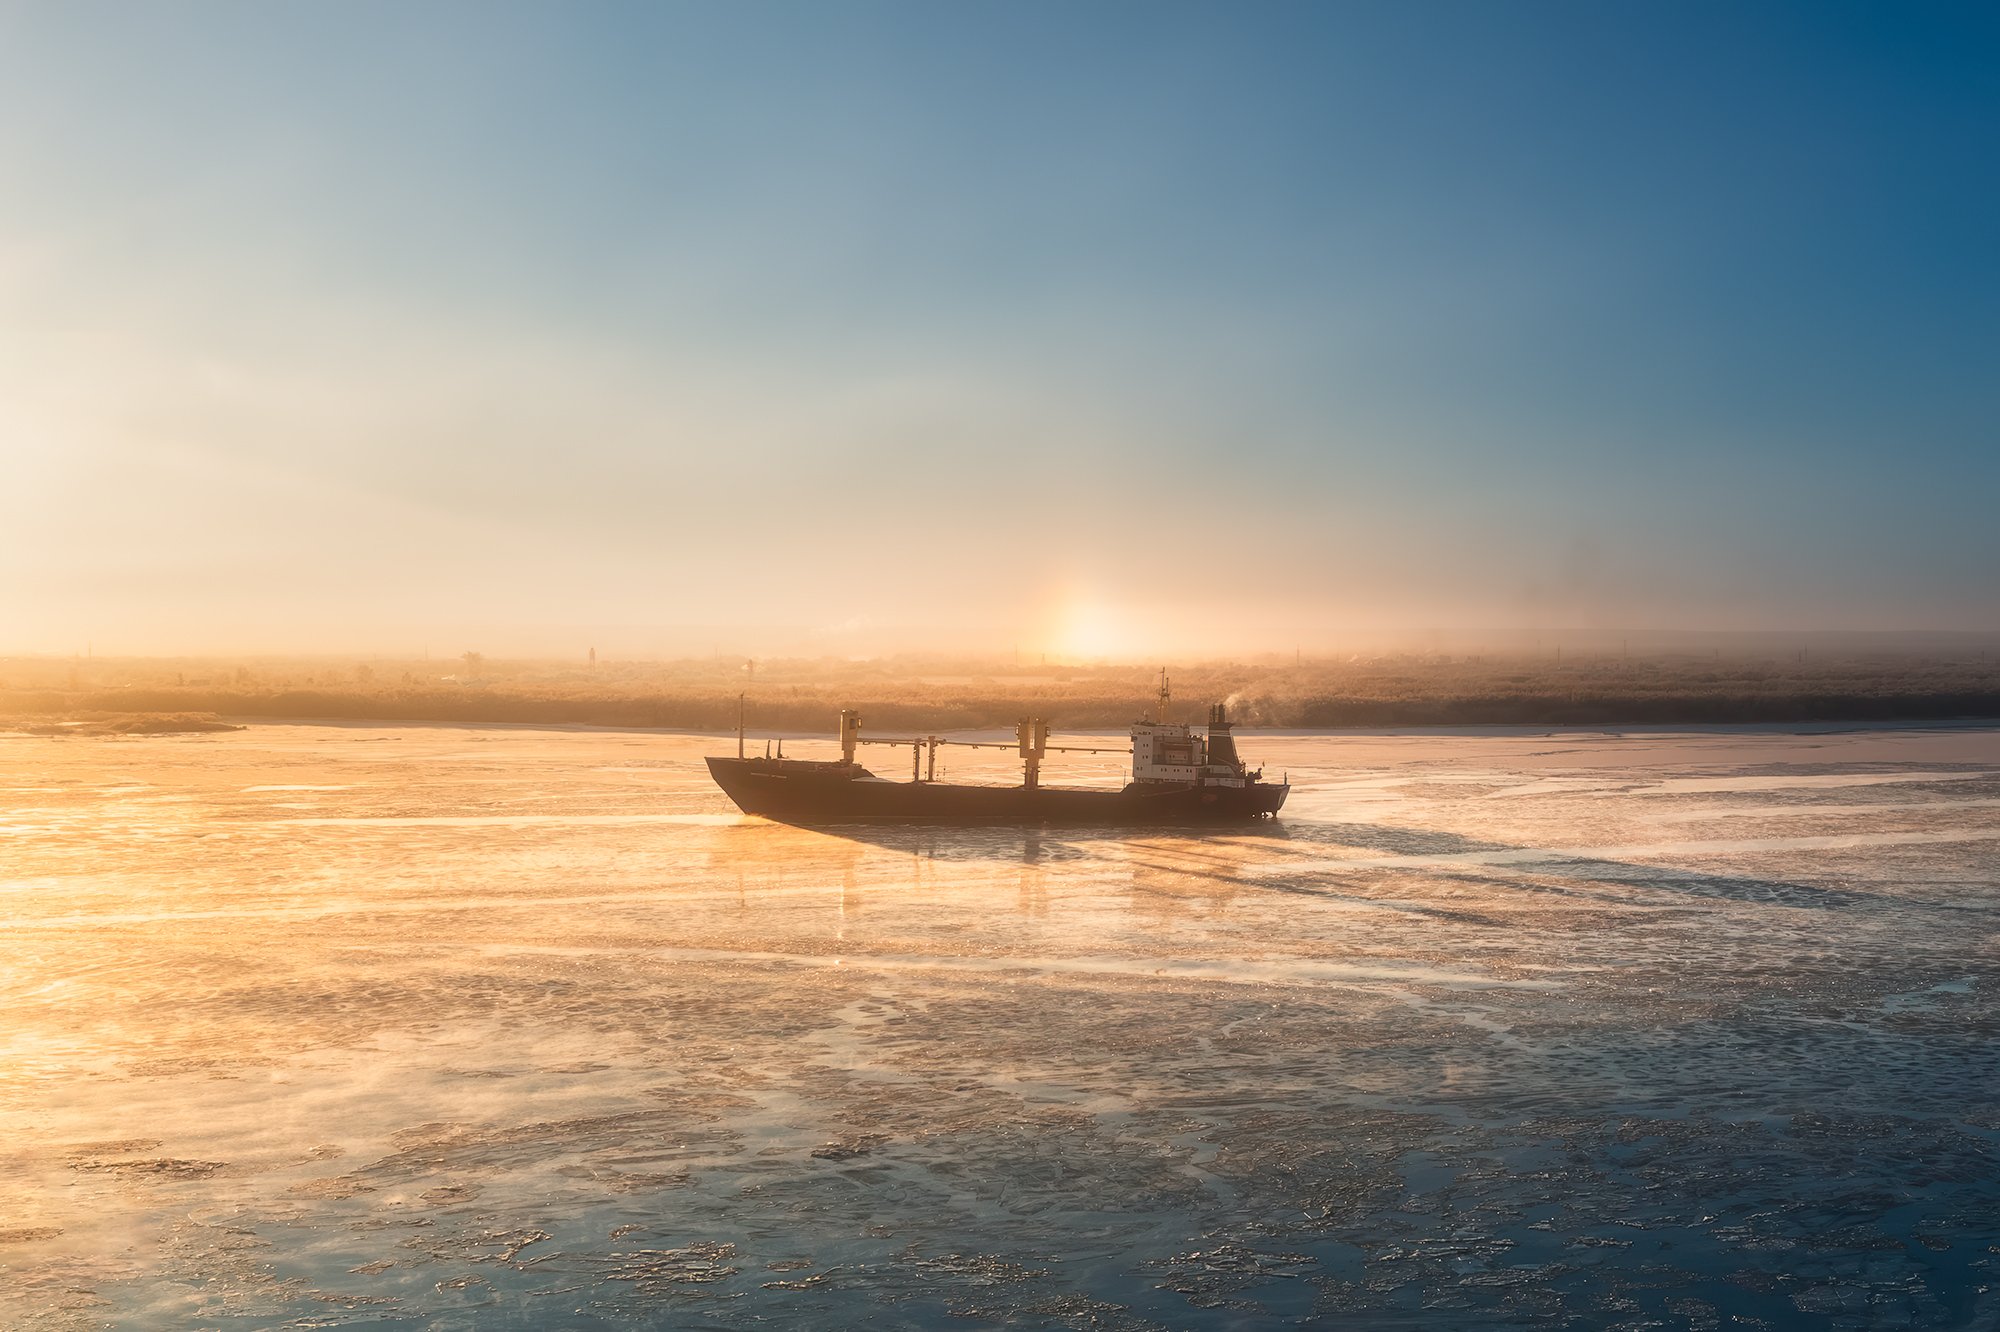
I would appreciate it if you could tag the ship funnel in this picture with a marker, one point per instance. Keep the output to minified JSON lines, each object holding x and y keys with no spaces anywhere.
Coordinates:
{"x":1221,"y":744}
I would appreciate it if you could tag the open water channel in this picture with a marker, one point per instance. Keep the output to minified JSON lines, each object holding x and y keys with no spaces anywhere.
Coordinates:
{"x":340,"y":1026}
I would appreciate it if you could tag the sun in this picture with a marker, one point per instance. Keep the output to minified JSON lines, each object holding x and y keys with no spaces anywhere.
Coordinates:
{"x":1090,"y":630}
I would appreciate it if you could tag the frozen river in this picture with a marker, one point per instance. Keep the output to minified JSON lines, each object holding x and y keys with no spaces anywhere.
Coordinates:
{"x":331,"y":1026}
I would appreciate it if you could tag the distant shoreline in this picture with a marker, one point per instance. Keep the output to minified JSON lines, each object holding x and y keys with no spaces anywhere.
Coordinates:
{"x":895,"y":698}
{"x":1423,"y":717}
{"x":1276,"y":732}
{"x":239,"y":722}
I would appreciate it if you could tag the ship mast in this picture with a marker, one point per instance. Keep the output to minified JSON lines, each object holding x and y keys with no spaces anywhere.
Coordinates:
{"x":1033,"y":735}
{"x":1166,"y":697}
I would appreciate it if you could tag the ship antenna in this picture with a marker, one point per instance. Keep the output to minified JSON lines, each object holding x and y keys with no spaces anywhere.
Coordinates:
{"x":1166,"y":696}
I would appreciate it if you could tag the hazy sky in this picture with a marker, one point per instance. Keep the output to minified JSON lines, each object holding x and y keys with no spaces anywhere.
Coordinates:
{"x":1101,"y":327}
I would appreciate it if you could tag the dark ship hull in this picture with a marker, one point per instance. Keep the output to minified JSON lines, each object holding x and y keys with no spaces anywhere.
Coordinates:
{"x":807,"y":792}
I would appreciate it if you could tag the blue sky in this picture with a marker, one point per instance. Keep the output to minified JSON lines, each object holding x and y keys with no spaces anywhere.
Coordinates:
{"x":1102,"y":327}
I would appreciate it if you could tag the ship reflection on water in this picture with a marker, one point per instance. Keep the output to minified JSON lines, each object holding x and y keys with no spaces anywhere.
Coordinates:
{"x":332,"y":1026}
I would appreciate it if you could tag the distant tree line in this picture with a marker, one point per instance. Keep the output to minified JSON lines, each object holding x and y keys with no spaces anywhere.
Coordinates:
{"x":796,"y":697}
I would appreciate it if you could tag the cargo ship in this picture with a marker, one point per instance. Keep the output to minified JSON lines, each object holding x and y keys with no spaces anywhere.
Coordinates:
{"x":1178,"y":777}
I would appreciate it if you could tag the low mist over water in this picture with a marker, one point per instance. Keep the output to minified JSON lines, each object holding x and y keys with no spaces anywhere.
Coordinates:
{"x":483,"y":1028}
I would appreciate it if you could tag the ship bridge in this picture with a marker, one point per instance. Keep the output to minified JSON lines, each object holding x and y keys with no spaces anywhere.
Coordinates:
{"x":1171,"y":752}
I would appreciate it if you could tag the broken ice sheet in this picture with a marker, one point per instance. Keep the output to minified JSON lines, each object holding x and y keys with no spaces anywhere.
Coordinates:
{"x":1685,"y":1031}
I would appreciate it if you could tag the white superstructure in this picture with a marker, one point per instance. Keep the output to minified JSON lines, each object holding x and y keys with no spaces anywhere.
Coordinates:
{"x":1164,"y":751}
